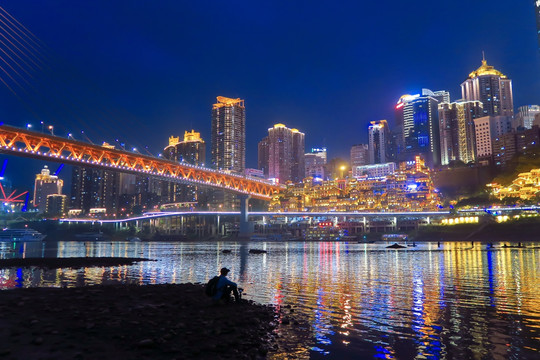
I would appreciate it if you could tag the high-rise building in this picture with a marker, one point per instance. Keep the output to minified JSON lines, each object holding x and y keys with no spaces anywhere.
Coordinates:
{"x":298,"y":167}
{"x":442,"y":96}
{"x":229,"y":135}
{"x":504,"y":148}
{"x":359,"y":155}
{"x":488,"y":128}
{"x":379,"y":140}
{"x":192,"y":150}
{"x":94,"y":188}
{"x":46,"y":184}
{"x":524,"y":118}
{"x":285,"y":154}
{"x":262,"y":156}
{"x":418,"y":117}
{"x":492,"y":88}
{"x":457,"y":130}
{"x":314,"y":162}
{"x":56,"y":204}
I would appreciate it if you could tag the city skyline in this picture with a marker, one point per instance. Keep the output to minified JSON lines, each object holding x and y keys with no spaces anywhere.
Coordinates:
{"x":287,"y":92}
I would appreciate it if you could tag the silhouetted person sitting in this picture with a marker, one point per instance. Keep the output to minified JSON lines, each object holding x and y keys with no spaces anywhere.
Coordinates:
{"x":225,"y":287}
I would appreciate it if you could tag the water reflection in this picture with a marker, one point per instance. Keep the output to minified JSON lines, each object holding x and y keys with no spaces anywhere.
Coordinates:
{"x":454,"y":301}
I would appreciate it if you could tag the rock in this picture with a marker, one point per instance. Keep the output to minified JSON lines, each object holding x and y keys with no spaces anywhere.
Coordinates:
{"x":146,"y":343}
{"x":37,"y":341}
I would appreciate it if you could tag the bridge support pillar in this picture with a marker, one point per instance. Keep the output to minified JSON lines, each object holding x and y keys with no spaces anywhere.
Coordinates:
{"x":246,"y":226}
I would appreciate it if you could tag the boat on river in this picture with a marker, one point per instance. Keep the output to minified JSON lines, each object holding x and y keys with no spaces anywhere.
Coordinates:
{"x":25,"y":234}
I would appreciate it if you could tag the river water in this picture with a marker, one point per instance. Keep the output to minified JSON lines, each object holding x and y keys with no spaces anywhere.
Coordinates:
{"x":454,"y":301}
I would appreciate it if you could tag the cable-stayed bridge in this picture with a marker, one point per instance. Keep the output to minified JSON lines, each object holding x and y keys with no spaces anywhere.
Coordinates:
{"x":21,"y":142}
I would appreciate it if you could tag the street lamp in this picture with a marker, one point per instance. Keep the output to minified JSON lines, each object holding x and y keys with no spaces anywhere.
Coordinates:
{"x":28,"y":126}
{"x":342,"y":168}
{"x":51,"y":129}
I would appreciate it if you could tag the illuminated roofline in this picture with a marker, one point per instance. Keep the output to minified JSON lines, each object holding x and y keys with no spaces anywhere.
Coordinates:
{"x":225,"y":101}
{"x":486,"y":69}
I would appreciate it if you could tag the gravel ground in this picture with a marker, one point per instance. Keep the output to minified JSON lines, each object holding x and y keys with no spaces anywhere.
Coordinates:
{"x":141,"y":322}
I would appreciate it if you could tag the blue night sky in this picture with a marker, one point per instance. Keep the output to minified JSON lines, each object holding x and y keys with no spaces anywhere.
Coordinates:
{"x":140,"y":71}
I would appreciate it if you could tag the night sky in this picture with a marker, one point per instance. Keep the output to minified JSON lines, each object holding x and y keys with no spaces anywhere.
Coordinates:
{"x":140,"y":71}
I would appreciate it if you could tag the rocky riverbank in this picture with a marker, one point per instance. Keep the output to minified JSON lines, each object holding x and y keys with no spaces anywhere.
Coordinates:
{"x":142,"y":322}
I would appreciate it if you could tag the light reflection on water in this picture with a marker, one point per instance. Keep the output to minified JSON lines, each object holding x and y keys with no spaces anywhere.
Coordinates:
{"x":361,"y":300}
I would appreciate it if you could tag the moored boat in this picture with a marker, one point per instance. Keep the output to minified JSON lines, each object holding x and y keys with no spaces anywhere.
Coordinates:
{"x":25,"y":234}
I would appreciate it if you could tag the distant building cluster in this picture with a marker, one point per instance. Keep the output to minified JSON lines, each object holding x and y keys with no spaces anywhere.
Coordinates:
{"x":391,"y":171}
{"x":408,"y":188}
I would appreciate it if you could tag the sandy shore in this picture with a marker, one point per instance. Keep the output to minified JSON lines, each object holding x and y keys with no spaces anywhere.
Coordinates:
{"x":139,"y":322}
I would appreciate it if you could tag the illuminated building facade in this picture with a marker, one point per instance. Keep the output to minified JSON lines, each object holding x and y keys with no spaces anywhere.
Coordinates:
{"x":525,"y":115}
{"x":488,"y":128}
{"x":504,"y":148}
{"x":94,"y":188}
{"x":408,"y":189}
{"x":492,"y":88}
{"x":286,"y":149}
{"x":374,"y":170}
{"x":315,"y":162}
{"x":457,"y":130}
{"x":526,"y":187}
{"x":192,"y":150}
{"x":379,"y":138}
{"x":359,"y":155}
{"x":229,"y":135}
{"x":419,"y":118}
{"x":56,"y":204}
{"x":298,"y":168}
{"x":46,"y":184}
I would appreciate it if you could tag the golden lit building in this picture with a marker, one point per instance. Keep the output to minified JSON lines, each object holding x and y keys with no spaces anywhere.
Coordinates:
{"x":192,"y":150}
{"x":229,"y":135}
{"x":409,"y":189}
{"x":526,"y":187}
{"x":46,"y":184}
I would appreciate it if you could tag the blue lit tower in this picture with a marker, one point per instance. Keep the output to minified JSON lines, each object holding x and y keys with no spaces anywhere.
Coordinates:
{"x":419,"y":119}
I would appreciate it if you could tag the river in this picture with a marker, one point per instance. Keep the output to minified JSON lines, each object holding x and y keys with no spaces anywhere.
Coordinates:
{"x":458,"y":300}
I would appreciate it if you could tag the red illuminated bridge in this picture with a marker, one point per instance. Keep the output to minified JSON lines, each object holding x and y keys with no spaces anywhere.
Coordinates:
{"x":19,"y":142}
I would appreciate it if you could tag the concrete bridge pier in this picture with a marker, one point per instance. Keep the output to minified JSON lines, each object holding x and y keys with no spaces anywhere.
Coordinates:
{"x":246,"y":226}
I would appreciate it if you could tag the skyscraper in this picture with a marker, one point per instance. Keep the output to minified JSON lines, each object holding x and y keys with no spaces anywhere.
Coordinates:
{"x":314,"y":163}
{"x":359,"y":155}
{"x":379,"y":137}
{"x":262,"y":156}
{"x":487,"y":129}
{"x":192,"y":150}
{"x":285,"y":154}
{"x":525,"y":116}
{"x":492,"y":88}
{"x":94,"y":188}
{"x":44,"y":185}
{"x":298,"y":167}
{"x":418,"y":116}
{"x":457,"y":130}
{"x":229,"y":135}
